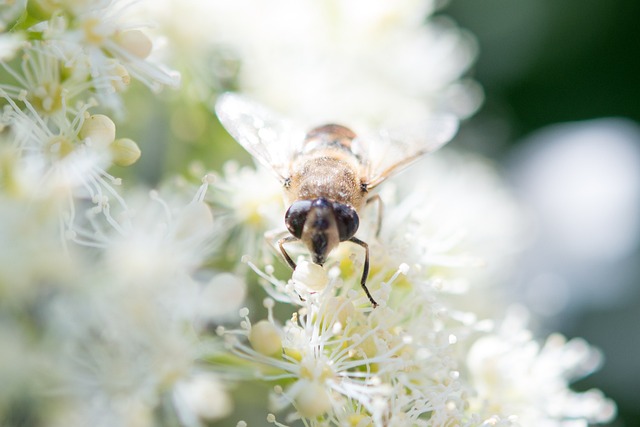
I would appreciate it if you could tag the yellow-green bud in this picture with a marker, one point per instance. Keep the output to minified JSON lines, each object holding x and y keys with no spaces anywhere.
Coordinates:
{"x":135,"y":42}
{"x":264,"y":338}
{"x":125,"y":152}
{"x":100,"y":129}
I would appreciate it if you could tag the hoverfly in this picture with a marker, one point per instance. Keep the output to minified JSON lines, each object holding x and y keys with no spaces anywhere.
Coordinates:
{"x":328,"y":172}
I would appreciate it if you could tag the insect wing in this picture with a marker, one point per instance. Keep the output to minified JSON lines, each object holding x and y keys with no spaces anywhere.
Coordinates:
{"x":391,"y":150}
{"x":269,"y":138}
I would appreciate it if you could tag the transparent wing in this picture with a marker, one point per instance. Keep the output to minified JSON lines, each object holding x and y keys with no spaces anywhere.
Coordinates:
{"x":268,"y":137}
{"x":392,"y":150}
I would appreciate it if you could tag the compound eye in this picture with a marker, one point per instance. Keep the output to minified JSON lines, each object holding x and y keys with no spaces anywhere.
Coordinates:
{"x":347,"y":220}
{"x":296,"y":216}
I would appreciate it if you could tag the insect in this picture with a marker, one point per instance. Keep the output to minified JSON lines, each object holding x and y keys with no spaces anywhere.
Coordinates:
{"x":328,"y":172}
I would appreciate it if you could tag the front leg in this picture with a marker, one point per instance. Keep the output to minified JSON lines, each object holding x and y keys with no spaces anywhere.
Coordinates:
{"x":281,"y":243}
{"x":365,"y":269}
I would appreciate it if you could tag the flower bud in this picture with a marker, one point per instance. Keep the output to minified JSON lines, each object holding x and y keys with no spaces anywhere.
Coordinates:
{"x":135,"y":42}
{"x":313,"y":400}
{"x":310,"y":275}
{"x":125,"y":152}
{"x":100,"y":129}
{"x":264,"y":338}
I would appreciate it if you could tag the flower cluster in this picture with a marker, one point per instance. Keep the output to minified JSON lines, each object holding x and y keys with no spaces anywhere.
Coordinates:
{"x":106,"y":311}
{"x":119,"y":305}
{"x":350,"y":61}
{"x":437,"y":351}
{"x":65,"y":61}
{"x":98,"y":284}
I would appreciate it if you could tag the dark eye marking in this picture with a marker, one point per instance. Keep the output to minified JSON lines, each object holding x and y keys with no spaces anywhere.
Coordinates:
{"x":296,"y":216}
{"x":346,"y":219}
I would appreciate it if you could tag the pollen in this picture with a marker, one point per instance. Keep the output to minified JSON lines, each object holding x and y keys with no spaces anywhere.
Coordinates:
{"x":60,"y":146}
{"x":120,"y":77}
{"x":47,"y":98}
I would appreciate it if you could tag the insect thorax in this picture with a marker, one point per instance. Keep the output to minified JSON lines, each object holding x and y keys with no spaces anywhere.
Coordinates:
{"x":329,"y":174}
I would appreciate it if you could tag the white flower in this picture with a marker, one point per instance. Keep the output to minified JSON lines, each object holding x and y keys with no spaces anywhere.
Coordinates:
{"x":97,"y":38}
{"x":406,"y":362}
{"x":248,"y":203}
{"x":451,"y":220}
{"x":348,"y":61}
{"x":39,"y":80}
{"x":202,"y":398}
{"x":54,"y":159}
{"x":310,"y":275}
{"x":29,"y":226}
{"x":114,"y":329}
{"x":513,"y":375}
{"x":123,"y":350}
{"x":323,"y":360}
{"x":10,"y":43}
{"x":99,"y":289}
{"x":391,"y":365}
{"x":152,"y":242}
{"x":114,"y":316}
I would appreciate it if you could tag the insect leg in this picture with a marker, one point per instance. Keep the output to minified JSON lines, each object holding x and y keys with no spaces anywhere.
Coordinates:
{"x":365,"y":270}
{"x":376,"y":198}
{"x":272,"y":237}
{"x":281,"y":242}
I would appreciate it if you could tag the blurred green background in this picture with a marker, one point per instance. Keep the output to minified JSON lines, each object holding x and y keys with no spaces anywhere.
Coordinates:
{"x":543,"y":62}
{"x":546,"y":61}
